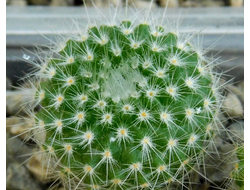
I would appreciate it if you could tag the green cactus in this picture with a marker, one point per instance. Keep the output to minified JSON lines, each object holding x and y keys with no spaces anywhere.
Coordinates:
{"x":124,"y":106}
{"x":238,"y":172}
{"x":236,"y":157}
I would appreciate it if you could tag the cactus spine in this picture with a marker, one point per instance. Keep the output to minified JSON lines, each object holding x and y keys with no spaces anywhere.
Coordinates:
{"x":129,"y":105}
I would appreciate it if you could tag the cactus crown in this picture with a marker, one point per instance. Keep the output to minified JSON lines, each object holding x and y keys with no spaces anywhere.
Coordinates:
{"x":126,"y":105}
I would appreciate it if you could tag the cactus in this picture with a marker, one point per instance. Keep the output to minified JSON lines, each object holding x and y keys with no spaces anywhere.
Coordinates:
{"x":238,"y":173}
{"x":124,"y":105}
{"x":236,"y":158}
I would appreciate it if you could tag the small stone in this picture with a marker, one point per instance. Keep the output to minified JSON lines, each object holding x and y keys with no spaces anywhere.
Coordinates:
{"x":203,"y":186}
{"x":233,"y":106}
{"x":71,"y":2}
{"x":144,"y":4}
{"x":36,"y":167}
{"x":241,"y":85}
{"x":237,"y":90}
{"x":18,"y":178}
{"x":209,"y":3}
{"x":8,"y":84}
{"x":15,"y":101}
{"x":172,"y":3}
{"x":218,"y":163}
{"x":222,"y":120}
{"x":18,"y":2}
{"x":38,"y":2}
{"x":236,"y":3}
{"x":190,"y":3}
{"x":236,"y":132}
{"x":18,"y":126}
{"x":16,"y":149}
{"x":104,"y":3}
{"x":99,"y":3}
{"x":116,"y":3}
{"x":59,"y":3}
{"x":22,"y":128}
{"x":10,"y":121}
{"x":61,"y":188}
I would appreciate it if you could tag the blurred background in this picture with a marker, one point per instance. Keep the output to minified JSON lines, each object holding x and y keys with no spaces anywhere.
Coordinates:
{"x":137,"y":3}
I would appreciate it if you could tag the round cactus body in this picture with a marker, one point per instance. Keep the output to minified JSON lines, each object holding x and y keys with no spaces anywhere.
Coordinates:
{"x":124,"y":106}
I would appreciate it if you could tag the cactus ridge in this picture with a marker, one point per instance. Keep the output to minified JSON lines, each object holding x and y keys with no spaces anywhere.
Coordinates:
{"x":124,"y":106}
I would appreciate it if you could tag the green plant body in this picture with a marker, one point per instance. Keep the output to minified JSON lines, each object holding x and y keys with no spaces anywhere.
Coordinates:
{"x":124,"y":106}
{"x":237,"y":174}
